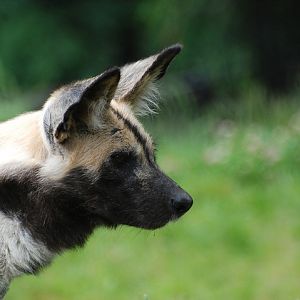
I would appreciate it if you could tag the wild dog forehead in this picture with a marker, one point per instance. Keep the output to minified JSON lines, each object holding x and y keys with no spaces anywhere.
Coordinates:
{"x":129,"y":122}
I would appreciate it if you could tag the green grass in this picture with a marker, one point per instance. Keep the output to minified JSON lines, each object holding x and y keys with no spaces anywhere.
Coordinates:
{"x":241,"y":239}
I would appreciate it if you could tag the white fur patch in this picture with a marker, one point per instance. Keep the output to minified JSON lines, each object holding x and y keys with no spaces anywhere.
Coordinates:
{"x":54,"y":167}
{"x":19,"y":252}
{"x":13,"y":155}
{"x":148,"y":102}
{"x":145,"y":98}
{"x":131,"y":74}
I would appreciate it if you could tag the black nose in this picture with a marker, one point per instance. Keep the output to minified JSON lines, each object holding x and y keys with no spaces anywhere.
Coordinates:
{"x":181,"y":203}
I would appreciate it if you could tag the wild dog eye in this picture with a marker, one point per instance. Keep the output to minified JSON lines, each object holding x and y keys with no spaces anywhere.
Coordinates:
{"x":115,"y":130}
{"x":121,"y":158}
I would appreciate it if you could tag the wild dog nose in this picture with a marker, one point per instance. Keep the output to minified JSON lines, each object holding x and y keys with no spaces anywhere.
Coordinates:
{"x":181,"y":203}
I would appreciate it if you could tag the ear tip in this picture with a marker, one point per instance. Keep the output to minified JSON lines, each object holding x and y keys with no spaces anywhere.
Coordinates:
{"x":173,"y":50}
{"x":113,"y":71}
{"x":176,"y":47}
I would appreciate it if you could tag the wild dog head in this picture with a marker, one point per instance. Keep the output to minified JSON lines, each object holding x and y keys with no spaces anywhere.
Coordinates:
{"x":91,"y":126}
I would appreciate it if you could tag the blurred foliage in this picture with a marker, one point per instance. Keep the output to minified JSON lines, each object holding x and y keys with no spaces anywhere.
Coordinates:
{"x":44,"y":42}
{"x":227,"y":43}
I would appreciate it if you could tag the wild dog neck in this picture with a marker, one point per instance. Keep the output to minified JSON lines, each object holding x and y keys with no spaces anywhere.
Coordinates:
{"x":21,"y":140}
{"x":54,"y":212}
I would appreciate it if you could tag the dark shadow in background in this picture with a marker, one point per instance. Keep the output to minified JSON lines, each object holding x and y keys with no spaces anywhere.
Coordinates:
{"x":45,"y":43}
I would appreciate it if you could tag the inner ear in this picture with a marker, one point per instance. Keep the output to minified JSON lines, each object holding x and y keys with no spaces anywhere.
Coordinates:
{"x":103,"y":87}
{"x":136,"y":86}
{"x":90,"y":99}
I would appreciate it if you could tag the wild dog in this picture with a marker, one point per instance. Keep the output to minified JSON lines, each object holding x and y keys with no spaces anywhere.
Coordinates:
{"x":81,"y":162}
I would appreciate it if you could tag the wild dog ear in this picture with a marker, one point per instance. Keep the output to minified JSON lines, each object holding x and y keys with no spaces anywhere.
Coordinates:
{"x":78,"y":105}
{"x":136,"y":86}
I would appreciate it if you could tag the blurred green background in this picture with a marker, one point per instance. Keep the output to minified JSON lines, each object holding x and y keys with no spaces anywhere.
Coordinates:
{"x":228,"y":132}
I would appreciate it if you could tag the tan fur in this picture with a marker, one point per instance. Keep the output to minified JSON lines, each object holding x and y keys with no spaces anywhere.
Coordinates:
{"x":21,"y":139}
{"x":126,"y":111}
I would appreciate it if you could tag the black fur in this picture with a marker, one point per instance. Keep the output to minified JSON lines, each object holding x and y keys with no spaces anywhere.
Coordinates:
{"x":63,"y":213}
{"x":53,"y":211}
